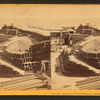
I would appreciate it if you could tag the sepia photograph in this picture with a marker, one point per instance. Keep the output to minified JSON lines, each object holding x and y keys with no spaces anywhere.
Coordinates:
{"x":50,"y":47}
{"x":24,"y":48}
{"x":75,"y":51}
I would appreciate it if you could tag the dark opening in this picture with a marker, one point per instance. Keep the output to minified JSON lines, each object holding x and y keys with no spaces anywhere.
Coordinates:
{"x":66,"y":41}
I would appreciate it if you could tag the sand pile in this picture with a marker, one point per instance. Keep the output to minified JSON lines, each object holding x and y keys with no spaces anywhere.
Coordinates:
{"x":92,"y":45}
{"x":18,"y":45}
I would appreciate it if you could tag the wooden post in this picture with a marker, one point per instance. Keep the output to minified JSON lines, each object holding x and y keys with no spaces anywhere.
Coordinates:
{"x":61,"y":38}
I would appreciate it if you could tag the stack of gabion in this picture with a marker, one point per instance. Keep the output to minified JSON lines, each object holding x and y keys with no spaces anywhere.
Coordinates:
{"x":92,"y":59}
{"x":36,"y":52}
{"x":7,"y":72}
{"x":71,"y":68}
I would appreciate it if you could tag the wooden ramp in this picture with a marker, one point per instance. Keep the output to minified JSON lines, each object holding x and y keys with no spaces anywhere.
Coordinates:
{"x":92,"y":83}
{"x":22,"y":83}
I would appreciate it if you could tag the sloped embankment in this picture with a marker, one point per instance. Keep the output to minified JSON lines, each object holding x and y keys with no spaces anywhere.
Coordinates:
{"x":74,"y":67}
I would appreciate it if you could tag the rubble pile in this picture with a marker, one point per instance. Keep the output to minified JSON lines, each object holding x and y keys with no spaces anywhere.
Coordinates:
{"x":92,"y":46}
{"x":18,"y":45}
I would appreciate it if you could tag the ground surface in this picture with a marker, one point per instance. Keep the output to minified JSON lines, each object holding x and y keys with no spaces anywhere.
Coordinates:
{"x":59,"y":81}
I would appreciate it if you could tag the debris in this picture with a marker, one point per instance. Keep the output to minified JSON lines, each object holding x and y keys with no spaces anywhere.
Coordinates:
{"x":18,"y":44}
{"x":92,"y":45}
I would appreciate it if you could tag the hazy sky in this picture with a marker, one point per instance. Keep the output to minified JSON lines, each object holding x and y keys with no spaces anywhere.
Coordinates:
{"x":50,"y":16}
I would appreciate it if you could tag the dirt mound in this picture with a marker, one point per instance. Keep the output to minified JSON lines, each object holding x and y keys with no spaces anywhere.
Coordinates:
{"x":92,"y":45}
{"x":18,"y":45}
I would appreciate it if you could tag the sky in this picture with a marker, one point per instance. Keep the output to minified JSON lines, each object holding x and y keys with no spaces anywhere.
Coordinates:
{"x":54,"y":16}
